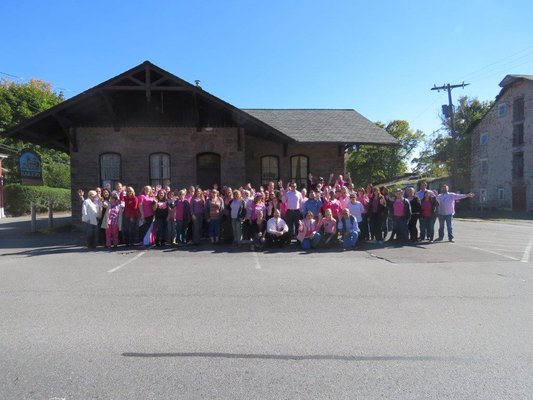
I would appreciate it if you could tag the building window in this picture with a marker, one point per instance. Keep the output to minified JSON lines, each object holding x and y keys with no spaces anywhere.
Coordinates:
{"x":518,"y":134}
{"x":159,"y":169}
{"x":269,"y":169}
{"x":484,"y":139}
{"x":501,"y":194}
{"x":518,"y":109}
{"x":483,"y":196}
{"x":502,"y":110}
{"x":518,"y":165}
{"x":299,"y":169}
{"x":109,"y":169}
{"x":208,"y":170}
{"x":484,"y":165}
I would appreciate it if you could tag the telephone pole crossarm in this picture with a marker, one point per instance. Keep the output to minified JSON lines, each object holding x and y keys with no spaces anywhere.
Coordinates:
{"x":449,"y":88}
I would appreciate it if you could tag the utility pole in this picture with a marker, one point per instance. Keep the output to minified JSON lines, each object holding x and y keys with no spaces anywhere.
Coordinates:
{"x":449,"y":113}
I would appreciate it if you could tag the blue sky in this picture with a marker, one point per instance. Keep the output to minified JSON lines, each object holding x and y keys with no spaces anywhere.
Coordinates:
{"x":380,"y":58}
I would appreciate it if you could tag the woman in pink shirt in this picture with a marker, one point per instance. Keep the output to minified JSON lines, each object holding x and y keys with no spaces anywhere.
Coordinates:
{"x":308,"y":235}
{"x":362,"y":197}
{"x":328,"y":227}
{"x":428,"y":216}
{"x":129,"y":217}
{"x":146,"y":202}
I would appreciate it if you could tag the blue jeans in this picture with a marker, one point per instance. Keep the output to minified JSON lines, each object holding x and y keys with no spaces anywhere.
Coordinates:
{"x":349,"y":240}
{"x":160,"y":230}
{"x":214,"y":229}
{"x":400,"y":226}
{"x":311,"y":243}
{"x":448,"y":220}
{"x":236,"y":226}
{"x":181,"y":231}
{"x":427,"y":228}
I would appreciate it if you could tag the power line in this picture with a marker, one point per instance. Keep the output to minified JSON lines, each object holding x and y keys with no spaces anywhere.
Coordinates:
{"x":22,"y":79}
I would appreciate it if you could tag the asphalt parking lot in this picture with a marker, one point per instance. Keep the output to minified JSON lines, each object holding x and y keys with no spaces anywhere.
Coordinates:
{"x":442,"y":320}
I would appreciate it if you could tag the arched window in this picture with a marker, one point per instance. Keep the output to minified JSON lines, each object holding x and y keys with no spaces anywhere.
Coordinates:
{"x":110,"y":170}
{"x":299,"y":169}
{"x":159,"y":169}
{"x":269,"y":169}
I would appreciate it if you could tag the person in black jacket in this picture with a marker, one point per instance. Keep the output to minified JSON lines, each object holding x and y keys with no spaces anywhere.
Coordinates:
{"x":416,"y":208}
{"x":377,"y":211}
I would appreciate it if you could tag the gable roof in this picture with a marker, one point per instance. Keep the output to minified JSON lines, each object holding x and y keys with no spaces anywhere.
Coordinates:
{"x":122,"y":100}
{"x":324,"y":125}
{"x":510,"y":79}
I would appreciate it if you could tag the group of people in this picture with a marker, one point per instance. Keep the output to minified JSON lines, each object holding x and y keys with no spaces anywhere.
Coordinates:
{"x":320,"y":214}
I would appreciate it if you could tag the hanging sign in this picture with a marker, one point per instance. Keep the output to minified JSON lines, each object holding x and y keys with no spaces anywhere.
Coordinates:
{"x":30,"y":167}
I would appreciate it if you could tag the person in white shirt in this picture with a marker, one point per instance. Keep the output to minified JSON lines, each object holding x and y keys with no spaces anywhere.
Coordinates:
{"x":293,"y":199}
{"x":90,"y":210}
{"x":356,"y":208}
{"x":446,"y":210}
{"x":277,"y":231}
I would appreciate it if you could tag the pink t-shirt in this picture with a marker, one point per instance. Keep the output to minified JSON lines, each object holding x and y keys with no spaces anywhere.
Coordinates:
{"x":329,"y":226}
{"x":398,"y":208}
{"x":146,"y":203}
{"x":426,"y":208}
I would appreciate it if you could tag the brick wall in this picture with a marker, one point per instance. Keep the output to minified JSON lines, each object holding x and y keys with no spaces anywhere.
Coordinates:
{"x":499,"y":149}
{"x":135,"y":144}
{"x":323,"y":158}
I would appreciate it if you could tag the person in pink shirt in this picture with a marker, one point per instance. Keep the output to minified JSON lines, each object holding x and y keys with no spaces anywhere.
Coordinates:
{"x":401,"y":213}
{"x":146,"y":202}
{"x":428,"y":214}
{"x":112,"y":220}
{"x":308,"y":234}
{"x":446,"y":211}
{"x":130,"y":217}
{"x":363,"y":198}
{"x":333,"y":204}
{"x":328,"y":227}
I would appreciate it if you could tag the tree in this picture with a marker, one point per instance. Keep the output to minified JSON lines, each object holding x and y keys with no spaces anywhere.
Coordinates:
{"x":436,"y":157}
{"x":373,"y":164}
{"x":18,"y":102}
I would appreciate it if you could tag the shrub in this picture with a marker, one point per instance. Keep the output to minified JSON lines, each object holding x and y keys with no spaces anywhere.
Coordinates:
{"x":17,"y":198}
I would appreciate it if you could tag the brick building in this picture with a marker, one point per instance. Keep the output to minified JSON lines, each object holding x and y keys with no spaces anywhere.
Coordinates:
{"x":502,"y":149}
{"x":147,"y":126}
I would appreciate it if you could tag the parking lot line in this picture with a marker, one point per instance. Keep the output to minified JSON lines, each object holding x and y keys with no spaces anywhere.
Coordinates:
{"x":127,"y":262}
{"x":488,"y":251}
{"x":527,"y":251}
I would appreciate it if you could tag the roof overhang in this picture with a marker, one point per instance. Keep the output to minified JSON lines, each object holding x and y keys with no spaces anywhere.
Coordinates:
{"x":145,"y":87}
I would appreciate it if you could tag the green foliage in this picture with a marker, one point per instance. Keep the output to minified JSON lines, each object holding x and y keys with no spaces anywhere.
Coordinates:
{"x":373,"y":164}
{"x":436,"y":157}
{"x":18,"y":198}
{"x":56,"y":175}
{"x":18,"y":102}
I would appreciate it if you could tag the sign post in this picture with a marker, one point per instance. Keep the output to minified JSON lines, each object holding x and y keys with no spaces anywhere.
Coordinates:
{"x":30,"y":168}
{"x":2,"y":214}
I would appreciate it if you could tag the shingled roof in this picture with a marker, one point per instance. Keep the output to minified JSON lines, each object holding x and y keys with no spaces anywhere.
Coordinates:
{"x":324,"y":125}
{"x":138,"y":97}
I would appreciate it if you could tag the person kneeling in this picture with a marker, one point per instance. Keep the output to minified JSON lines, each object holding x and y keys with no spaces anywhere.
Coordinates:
{"x":348,"y":229}
{"x":277,"y":231}
{"x":258,"y":231}
{"x":307,"y":232}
